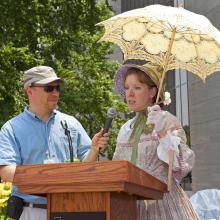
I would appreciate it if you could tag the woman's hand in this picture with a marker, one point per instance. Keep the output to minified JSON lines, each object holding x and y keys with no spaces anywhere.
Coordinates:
{"x":100,"y":140}
{"x":155,"y":116}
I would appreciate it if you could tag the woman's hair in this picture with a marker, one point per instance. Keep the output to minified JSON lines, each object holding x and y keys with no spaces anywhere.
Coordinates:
{"x":142,"y":77}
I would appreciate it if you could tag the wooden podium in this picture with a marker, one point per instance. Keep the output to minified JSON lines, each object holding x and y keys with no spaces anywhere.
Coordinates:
{"x":104,"y":190}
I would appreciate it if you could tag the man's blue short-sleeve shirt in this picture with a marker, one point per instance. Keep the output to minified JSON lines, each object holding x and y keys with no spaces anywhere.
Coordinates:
{"x":25,"y":139}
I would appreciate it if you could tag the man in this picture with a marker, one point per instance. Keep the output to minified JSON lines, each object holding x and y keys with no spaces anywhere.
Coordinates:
{"x":39,"y":135}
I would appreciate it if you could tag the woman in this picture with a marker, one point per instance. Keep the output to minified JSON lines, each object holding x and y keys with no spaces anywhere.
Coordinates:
{"x":148,"y":147}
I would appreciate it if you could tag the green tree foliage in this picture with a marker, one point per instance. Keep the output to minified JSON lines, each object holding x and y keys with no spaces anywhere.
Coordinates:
{"x":5,"y":192}
{"x":12,"y":60}
{"x":187,"y":131}
{"x":61,"y":34}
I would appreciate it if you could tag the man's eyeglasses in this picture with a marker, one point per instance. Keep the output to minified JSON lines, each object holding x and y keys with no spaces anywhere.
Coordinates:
{"x":49,"y":88}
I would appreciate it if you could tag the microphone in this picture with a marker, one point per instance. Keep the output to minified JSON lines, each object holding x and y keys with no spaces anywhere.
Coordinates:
{"x":110,"y":115}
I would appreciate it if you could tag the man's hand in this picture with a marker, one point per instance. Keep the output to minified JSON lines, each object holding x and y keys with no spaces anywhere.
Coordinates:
{"x":7,"y":172}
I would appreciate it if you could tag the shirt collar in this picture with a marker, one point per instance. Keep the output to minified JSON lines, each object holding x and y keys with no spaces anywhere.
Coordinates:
{"x":26,"y":110}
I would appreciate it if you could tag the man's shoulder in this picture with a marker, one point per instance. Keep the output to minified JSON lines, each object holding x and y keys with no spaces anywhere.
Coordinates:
{"x":14,"y":119}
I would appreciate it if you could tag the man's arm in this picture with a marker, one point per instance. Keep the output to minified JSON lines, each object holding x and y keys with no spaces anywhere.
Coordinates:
{"x":7,"y":172}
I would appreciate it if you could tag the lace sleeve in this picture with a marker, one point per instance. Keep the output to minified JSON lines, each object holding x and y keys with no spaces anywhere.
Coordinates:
{"x":186,"y":156}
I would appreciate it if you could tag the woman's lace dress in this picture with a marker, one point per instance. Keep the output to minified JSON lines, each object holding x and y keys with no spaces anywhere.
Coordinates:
{"x":175,"y":204}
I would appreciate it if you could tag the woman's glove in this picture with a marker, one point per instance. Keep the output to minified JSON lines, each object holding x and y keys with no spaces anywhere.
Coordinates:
{"x":170,"y":141}
{"x":155,"y":116}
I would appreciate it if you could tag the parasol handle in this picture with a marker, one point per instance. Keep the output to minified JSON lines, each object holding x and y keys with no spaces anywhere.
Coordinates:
{"x":170,"y":170}
{"x":166,"y":61}
{"x":161,"y":83}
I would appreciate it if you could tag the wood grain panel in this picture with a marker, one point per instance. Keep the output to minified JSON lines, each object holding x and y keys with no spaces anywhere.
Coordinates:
{"x":102,"y":176}
{"x":77,"y":202}
{"x":48,"y":206}
{"x":138,"y":176}
{"x":92,"y":187}
{"x":123,"y":207}
{"x":84,"y":189}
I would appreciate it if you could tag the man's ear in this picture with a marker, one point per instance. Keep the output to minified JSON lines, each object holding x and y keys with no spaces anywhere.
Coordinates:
{"x":27,"y":91}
